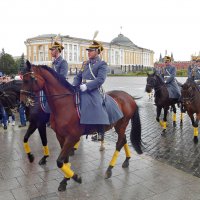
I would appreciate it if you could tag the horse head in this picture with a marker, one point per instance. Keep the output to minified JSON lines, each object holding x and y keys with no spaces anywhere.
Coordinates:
{"x":32,"y":83}
{"x":189,"y":91}
{"x":153,"y":81}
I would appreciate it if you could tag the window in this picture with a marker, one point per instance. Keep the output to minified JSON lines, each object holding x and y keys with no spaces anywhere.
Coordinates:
{"x":66,"y":51}
{"x":75,"y":53}
{"x":70,"y":52}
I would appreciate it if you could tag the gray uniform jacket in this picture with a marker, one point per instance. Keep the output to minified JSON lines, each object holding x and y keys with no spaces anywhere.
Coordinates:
{"x":194,"y":72}
{"x":172,"y":86}
{"x":94,"y":108}
{"x":60,"y":66}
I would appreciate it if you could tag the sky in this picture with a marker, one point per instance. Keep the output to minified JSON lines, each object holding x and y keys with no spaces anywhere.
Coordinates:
{"x":170,"y":26}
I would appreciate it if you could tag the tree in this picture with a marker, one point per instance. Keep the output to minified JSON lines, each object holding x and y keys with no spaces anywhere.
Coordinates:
{"x":20,"y":62}
{"x":7,"y":63}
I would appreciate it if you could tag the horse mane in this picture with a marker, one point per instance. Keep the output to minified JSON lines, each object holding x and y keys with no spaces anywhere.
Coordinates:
{"x":11,"y":85}
{"x":59,"y":77}
{"x":190,"y":82}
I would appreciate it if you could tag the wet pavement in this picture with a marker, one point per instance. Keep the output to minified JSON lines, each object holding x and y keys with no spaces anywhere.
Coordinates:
{"x":168,"y":169}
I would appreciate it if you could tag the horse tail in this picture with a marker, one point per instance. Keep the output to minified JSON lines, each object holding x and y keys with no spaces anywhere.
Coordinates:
{"x":135,"y":135}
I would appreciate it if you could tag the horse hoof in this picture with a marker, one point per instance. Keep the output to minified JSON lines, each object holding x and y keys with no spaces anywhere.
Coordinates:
{"x":77,"y":178}
{"x":163,"y":132}
{"x":108,"y":174}
{"x":31,"y":157}
{"x":125,"y":164}
{"x":181,"y":124}
{"x":62,"y":187}
{"x":195,"y":139}
{"x":43,"y":161}
{"x":174,"y":124}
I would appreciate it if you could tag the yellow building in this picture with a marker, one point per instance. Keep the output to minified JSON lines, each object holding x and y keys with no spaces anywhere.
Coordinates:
{"x":120,"y":52}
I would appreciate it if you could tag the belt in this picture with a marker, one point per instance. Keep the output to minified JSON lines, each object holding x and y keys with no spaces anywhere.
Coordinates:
{"x":86,"y":80}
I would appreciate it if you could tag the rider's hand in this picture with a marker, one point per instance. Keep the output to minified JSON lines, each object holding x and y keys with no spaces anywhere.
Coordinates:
{"x":83,"y":87}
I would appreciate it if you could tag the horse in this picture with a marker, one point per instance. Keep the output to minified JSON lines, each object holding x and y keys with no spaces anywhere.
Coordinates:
{"x":191,"y":103}
{"x":10,"y":97}
{"x":66,"y":122}
{"x":162,"y":100}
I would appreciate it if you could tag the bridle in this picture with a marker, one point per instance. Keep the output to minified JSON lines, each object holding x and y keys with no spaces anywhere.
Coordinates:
{"x":156,"y":88}
{"x":190,"y":98}
{"x":30,"y":94}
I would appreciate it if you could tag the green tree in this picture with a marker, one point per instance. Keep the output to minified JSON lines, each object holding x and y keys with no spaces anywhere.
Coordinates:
{"x":7,"y":63}
{"x":20,"y":63}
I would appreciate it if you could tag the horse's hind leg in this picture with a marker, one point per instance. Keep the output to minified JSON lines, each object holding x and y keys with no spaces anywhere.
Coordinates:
{"x":128,"y":155}
{"x":43,"y":136}
{"x":174,"y":115}
{"x":120,"y":143}
{"x":32,"y":127}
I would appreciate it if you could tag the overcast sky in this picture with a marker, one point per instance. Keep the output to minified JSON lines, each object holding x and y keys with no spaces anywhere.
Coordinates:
{"x":159,"y":25}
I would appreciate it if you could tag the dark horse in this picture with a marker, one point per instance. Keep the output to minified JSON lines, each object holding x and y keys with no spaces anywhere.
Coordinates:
{"x":66,"y":123}
{"x":162,"y":99}
{"x":191,"y":102}
{"x":10,"y":97}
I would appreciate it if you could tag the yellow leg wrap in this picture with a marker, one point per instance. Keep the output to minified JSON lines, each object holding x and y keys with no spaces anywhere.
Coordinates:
{"x":27,"y":148}
{"x":164,"y":125}
{"x":127,"y":150}
{"x":182,"y":116}
{"x":174,"y":117}
{"x":67,"y":171}
{"x":114,"y":158}
{"x":77,"y":145}
{"x":161,"y":123}
{"x":46,"y":150}
{"x":196,"y":132}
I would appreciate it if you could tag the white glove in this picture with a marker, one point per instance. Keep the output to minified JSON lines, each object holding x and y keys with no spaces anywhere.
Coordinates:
{"x":83,"y":87}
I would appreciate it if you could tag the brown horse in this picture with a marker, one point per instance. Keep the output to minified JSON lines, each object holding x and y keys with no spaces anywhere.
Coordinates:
{"x":66,"y":123}
{"x":191,"y":102}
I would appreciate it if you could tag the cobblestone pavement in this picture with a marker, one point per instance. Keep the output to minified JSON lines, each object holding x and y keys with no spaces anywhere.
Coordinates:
{"x":155,"y":175}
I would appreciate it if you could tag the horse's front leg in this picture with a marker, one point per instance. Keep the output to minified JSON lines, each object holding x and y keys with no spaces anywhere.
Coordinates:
{"x":181,"y":116}
{"x":63,"y":162}
{"x":174,"y":115}
{"x":32,"y":127}
{"x":158,"y":112}
{"x":43,"y":136}
{"x":195,"y":127}
{"x":165,"y":119}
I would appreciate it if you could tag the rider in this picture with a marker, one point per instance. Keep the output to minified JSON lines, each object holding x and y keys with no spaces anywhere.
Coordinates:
{"x":94,"y":103}
{"x":59,"y":64}
{"x":168,"y":76}
{"x":194,"y":70}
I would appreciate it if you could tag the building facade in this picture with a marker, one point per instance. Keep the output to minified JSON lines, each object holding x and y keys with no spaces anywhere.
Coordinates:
{"x":120,"y":52}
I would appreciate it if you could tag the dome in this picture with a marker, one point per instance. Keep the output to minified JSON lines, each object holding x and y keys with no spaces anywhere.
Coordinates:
{"x":122,"y":40}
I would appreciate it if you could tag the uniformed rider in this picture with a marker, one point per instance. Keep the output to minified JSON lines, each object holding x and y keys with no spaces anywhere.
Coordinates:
{"x":194,"y":70}
{"x":169,"y":77}
{"x":96,"y":108}
{"x":59,"y":64}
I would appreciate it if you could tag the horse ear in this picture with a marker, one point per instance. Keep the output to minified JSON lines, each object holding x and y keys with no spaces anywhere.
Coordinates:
{"x":28,"y":65}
